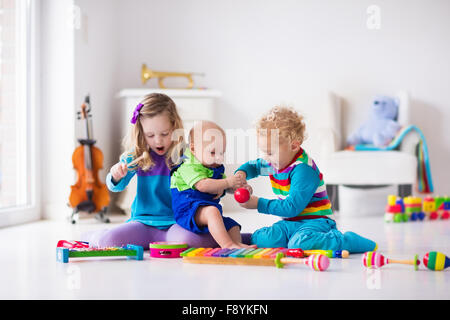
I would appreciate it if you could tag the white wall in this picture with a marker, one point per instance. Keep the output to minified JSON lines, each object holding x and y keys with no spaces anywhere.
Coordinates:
{"x":263,"y":52}
{"x":96,"y":73}
{"x":258,"y":53}
{"x":57,"y":109}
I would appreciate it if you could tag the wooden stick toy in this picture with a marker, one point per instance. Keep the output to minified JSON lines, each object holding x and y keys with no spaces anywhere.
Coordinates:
{"x":299,"y":253}
{"x":374,"y":260}
{"x":436,"y":261}
{"x":131,"y":165}
{"x":328,"y":253}
{"x":275,"y":257}
{"x":130,"y":251}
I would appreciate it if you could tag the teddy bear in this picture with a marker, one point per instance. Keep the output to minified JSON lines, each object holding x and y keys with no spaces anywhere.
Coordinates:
{"x":381,"y":127}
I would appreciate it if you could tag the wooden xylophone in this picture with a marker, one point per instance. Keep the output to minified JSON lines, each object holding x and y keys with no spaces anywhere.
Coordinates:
{"x":130,"y":251}
{"x":251,"y":256}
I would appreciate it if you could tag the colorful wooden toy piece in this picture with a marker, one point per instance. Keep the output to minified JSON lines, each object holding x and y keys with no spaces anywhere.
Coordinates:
{"x":436,"y":261}
{"x":414,"y":209}
{"x":375,"y":260}
{"x":328,"y":253}
{"x":130,"y":251}
{"x":255,"y":257}
{"x":167,"y":249}
{"x":72,"y":244}
{"x":295,"y":253}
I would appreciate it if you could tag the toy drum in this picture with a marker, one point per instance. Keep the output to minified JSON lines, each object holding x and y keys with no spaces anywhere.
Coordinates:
{"x":167,"y":249}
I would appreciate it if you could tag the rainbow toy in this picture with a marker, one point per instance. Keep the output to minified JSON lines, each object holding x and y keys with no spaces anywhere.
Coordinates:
{"x":130,"y":251}
{"x":436,"y":261}
{"x":328,"y":253}
{"x":375,"y":260}
{"x":256,"y":257}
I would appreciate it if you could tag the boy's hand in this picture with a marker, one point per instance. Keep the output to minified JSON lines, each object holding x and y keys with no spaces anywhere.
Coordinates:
{"x":252,"y":203}
{"x":118,"y":171}
{"x":236,"y":181}
{"x":242,"y":176}
{"x":248,"y":187}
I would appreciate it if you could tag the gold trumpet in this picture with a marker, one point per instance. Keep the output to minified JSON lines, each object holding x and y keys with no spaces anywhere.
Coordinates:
{"x":147,"y":74}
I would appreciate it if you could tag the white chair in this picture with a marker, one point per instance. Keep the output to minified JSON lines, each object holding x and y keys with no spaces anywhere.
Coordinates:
{"x":363,"y":169}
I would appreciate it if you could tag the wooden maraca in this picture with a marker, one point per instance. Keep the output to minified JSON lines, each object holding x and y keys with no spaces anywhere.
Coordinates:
{"x":374,"y":260}
{"x":317,"y":262}
{"x":436,"y":261}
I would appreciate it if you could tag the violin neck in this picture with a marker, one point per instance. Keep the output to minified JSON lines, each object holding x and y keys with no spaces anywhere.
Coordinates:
{"x":87,"y":148}
{"x":88,"y":129}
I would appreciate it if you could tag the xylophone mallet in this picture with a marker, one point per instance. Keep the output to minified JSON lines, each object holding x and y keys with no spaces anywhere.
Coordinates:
{"x":132,"y":164}
{"x":374,"y":260}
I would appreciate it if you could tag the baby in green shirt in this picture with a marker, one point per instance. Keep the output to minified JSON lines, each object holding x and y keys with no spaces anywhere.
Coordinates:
{"x":198,"y":183}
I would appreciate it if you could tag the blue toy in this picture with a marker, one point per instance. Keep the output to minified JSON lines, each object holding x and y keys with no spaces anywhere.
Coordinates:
{"x":381,"y":127}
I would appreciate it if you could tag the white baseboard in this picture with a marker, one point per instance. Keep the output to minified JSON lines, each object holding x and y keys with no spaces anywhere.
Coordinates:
{"x":17,"y":216}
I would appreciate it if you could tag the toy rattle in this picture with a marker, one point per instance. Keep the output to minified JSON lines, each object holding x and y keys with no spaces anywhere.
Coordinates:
{"x":167,"y":249}
{"x":436,"y":261}
{"x":242,"y":195}
{"x":316,"y":262}
{"x":374,"y":260}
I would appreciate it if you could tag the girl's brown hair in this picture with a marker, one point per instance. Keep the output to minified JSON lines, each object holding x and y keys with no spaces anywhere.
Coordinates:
{"x":134,"y":143}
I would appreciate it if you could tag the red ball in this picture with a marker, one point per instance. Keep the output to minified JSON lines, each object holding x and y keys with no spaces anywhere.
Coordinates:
{"x":242,"y":195}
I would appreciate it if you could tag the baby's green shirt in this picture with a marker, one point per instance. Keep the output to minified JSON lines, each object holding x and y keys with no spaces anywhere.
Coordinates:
{"x":189,"y":173}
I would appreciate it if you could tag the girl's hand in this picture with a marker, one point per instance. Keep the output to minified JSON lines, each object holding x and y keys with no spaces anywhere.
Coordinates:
{"x":252,"y":203}
{"x":118,"y":171}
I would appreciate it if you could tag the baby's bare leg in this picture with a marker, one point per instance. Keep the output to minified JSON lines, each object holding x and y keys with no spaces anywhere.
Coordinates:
{"x":210,"y":216}
{"x":235,"y":234}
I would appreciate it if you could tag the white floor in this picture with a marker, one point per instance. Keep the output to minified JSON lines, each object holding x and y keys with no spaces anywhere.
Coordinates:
{"x":29,"y":269}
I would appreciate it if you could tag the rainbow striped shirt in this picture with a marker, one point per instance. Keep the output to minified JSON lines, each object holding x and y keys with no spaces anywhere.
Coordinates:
{"x":299,"y":187}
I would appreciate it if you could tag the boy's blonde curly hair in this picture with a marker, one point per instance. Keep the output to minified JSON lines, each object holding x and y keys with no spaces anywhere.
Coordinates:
{"x":288,"y":121}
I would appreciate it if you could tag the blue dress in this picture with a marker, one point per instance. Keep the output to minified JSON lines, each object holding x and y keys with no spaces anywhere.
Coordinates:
{"x":185,"y":204}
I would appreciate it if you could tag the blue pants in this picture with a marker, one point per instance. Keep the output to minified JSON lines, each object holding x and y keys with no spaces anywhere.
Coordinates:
{"x":310,"y":234}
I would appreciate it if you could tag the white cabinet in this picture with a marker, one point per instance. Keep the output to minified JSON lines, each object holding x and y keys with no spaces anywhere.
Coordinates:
{"x":192,"y":105}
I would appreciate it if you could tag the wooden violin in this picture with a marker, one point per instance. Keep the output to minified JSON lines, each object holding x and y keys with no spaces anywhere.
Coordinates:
{"x":88,"y":194}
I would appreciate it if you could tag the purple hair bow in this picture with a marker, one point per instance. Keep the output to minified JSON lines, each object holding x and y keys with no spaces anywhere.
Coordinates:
{"x":136,"y":113}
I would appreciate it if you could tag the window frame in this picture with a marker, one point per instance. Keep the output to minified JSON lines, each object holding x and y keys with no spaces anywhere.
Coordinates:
{"x":28,"y":106}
